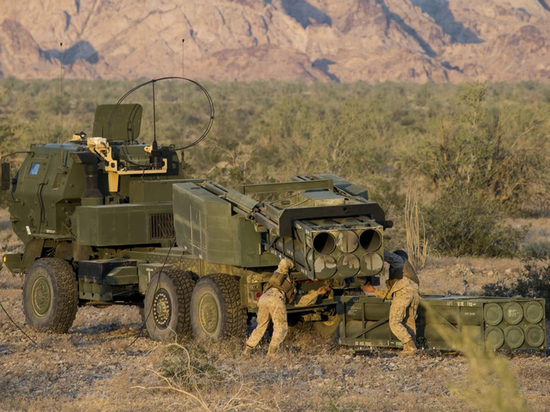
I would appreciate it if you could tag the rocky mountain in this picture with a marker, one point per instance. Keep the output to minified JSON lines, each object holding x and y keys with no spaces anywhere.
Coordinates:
{"x":306,"y":40}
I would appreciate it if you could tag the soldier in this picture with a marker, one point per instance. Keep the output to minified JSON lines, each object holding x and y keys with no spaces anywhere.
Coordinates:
{"x":403,"y":289}
{"x":278,"y":291}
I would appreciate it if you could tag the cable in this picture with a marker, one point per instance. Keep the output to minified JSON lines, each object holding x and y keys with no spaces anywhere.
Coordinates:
{"x":146,"y":317}
{"x":16,"y":325}
{"x":13,"y":153}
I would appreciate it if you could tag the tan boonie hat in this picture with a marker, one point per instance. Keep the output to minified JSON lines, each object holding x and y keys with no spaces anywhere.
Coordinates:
{"x":285,"y":265}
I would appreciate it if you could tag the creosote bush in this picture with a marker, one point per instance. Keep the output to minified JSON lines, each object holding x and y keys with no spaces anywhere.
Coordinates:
{"x":461,"y":224}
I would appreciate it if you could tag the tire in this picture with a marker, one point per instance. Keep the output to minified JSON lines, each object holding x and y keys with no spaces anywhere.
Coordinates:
{"x":216,"y":310}
{"x":327,"y":328}
{"x":50,"y":295}
{"x":166,"y":312}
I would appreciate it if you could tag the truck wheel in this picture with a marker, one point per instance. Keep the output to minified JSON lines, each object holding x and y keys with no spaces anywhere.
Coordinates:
{"x":327,"y":328}
{"x":50,"y":295}
{"x":166,"y":305}
{"x":216,"y":310}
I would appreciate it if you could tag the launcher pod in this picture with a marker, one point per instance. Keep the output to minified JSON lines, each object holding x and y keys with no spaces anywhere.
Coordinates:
{"x":448,"y":322}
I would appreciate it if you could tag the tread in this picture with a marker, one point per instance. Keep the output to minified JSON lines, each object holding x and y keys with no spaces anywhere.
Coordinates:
{"x":180,"y":284}
{"x":65,"y":293}
{"x":237,"y":316}
{"x":184,"y":284}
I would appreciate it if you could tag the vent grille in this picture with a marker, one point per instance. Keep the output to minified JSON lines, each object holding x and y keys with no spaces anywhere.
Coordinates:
{"x":162,"y":226}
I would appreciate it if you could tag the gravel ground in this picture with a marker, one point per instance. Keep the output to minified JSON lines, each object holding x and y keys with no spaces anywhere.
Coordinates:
{"x":106,"y":363}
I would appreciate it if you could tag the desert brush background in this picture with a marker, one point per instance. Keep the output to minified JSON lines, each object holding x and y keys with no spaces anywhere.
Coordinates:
{"x":440,"y":108}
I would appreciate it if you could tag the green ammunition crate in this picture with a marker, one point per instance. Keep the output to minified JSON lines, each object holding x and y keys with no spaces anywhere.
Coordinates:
{"x":447,"y":322}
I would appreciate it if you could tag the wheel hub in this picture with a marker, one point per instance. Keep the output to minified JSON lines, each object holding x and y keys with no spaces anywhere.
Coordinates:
{"x":41,"y":296}
{"x":162,"y":309}
{"x":208,"y":313}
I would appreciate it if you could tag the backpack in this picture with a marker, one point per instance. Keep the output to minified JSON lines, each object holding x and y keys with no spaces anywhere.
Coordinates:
{"x":284,"y":283}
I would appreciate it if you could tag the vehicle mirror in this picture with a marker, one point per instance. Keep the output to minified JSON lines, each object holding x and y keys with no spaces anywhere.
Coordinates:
{"x":5,"y":176}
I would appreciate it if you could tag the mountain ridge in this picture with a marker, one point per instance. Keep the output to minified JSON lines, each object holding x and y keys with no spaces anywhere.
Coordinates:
{"x":291,"y":40}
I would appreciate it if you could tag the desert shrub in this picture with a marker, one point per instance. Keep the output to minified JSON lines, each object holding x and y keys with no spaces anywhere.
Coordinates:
{"x":489,"y":138}
{"x":493,"y":149}
{"x":197,"y":373}
{"x":415,"y":228}
{"x":460,"y":224}
{"x":491,"y":383}
{"x":534,"y":282}
{"x":538,"y":249}
{"x":190,"y":367}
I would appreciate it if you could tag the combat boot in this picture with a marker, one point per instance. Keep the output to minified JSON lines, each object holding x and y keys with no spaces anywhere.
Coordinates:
{"x":272,"y":351}
{"x":409,"y":348}
{"x":247,"y":350}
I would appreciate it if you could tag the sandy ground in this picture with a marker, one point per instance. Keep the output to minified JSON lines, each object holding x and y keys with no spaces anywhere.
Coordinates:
{"x":107,"y":363}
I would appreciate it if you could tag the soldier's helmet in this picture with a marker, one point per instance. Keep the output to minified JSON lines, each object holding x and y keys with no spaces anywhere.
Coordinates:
{"x":285,"y":265}
{"x":402,"y":253}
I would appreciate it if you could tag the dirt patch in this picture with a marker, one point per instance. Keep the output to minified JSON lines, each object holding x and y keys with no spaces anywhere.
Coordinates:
{"x":466,"y":276}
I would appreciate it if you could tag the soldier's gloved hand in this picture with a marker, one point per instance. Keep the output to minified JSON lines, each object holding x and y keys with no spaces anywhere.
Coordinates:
{"x":367,"y":288}
{"x":323,"y":290}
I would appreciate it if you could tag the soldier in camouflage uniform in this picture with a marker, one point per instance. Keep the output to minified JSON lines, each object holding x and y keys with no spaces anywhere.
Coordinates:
{"x":277,"y":292}
{"x":403,"y":289}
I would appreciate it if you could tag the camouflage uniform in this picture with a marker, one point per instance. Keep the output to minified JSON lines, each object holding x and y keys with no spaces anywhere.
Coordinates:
{"x":278,"y":291}
{"x":403,"y":289}
{"x":272,"y":305}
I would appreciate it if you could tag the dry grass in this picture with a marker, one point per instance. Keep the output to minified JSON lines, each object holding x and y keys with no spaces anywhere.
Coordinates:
{"x":191,"y":370}
{"x":93,"y":367}
{"x":490,"y":383}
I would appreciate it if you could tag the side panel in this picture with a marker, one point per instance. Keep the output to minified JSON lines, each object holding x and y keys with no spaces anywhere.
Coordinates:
{"x":206,"y":227}
{"x":126,"y":224}
{"x":144,"y":191}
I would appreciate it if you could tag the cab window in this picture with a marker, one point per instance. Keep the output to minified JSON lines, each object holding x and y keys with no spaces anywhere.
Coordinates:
{"x":35,"y":167}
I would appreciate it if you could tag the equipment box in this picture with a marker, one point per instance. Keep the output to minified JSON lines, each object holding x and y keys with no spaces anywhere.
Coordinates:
{"x":125,"y":224}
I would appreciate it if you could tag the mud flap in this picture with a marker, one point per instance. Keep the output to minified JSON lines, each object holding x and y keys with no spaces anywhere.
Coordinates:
{"x":33,"y":250}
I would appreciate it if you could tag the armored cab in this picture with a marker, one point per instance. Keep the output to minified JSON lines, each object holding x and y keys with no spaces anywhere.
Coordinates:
{"x":69,"y":199}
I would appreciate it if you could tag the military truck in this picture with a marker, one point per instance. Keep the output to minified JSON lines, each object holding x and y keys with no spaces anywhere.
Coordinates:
{"x":107,"y":220}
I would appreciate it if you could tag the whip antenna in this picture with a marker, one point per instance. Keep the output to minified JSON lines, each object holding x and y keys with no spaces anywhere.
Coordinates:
{"x":156,"y":154}
{"x":182,"y":93}
{"x":60,"y":106}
